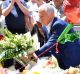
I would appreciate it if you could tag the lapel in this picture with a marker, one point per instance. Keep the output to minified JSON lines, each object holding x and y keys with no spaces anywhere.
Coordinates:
{"x":45,"y":32}
{"x":54,"y":20}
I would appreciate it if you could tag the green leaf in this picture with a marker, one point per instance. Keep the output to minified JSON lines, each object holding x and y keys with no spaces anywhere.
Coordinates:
{"x":70,"y":37}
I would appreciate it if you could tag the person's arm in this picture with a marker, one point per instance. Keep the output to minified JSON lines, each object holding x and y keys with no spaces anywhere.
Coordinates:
{"x":22,"y":7}
{"x":29,"y":24}
{"x":7,"y":10}
{"x":46,"y":47}
{"x":49,"y":45}
{"x":56,"y":31}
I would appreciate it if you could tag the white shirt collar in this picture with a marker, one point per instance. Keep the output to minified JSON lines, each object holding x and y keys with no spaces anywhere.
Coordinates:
{"x":49,"y":26}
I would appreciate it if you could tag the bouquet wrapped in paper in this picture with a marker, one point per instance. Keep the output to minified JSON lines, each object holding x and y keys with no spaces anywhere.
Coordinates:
{"x":16,"y":45}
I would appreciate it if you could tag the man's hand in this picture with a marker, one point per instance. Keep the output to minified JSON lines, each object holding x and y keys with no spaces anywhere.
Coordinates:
{"x":32,"y":57}
{"x":29,"y":57}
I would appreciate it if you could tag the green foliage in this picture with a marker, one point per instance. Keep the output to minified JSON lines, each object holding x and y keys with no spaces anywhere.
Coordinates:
{"x":14,"y":44}
{"x":70,"y":37}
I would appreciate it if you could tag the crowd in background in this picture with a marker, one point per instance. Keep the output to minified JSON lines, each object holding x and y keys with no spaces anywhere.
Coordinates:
{"x":32,"y":6}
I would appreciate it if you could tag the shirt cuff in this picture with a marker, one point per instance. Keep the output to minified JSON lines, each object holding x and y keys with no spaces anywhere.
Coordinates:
{"x":37,"y":53}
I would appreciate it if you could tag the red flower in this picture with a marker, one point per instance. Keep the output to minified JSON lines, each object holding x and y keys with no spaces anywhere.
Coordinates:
{"x":49,"y":62}
{"x":1,"y":37}
{"x":71,"y":9}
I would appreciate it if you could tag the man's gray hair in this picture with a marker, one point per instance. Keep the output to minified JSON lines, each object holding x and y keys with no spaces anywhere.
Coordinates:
{"x":47,"y":8}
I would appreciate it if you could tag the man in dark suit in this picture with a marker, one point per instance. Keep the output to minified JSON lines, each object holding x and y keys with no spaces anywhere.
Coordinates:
{"x":69,"y":53}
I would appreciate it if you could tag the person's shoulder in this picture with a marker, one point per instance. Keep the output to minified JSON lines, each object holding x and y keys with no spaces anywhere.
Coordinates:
{"x":59,"y":21}
{"x":4,"y":4}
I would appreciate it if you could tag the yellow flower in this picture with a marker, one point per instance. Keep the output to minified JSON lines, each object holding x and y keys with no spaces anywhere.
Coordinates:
{"x":35,"y":73}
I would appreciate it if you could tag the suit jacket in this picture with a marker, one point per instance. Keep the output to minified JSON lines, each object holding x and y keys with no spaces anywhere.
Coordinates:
{"x":68,"y":53}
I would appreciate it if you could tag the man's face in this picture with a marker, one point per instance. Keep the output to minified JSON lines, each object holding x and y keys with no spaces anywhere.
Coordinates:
{"x":43,"y":17}
{"x":57,"y":3}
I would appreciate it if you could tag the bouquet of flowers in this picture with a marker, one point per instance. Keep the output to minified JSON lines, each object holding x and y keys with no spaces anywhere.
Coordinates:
{"x":14,"y":45}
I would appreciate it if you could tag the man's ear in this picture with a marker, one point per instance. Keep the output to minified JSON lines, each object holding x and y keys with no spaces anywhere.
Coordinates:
{"x":51,"y":15}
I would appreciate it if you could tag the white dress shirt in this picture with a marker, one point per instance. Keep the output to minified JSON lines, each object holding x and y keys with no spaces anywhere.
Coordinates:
{"x":49,"y":26}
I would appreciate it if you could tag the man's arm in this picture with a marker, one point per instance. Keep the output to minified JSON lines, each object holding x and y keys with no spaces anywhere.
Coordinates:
{"x":46,"y":47}
{"x":7,"y":10}
{"x":56,"y":31}
{"x":22,"y":7}
{"x":50,"y":45}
